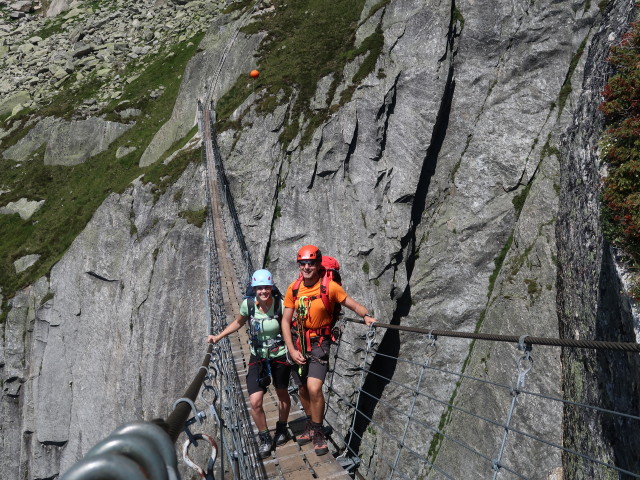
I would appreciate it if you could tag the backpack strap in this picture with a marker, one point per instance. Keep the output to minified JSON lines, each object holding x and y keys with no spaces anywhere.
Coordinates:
{"x":251,"y":306}
{"x":277,"y":307}
{"x":324,"y":292}
{"x":296,"y":287}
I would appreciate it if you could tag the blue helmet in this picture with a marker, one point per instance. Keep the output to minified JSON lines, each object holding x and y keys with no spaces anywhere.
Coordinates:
{"x":261,"y":277}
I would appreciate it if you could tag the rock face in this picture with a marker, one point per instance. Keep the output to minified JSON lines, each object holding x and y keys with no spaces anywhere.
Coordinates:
{"x":92,"y":346}
{"x":437,"y":187}
{"x":24,"y":207}
{"x":458,"y":189}
{"x":67,"y":143}
{"x":80,"y":41}
{"x":589,"y":302}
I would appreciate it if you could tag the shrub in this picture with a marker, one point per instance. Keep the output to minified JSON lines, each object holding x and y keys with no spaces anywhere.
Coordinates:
{"x":621,"y":150}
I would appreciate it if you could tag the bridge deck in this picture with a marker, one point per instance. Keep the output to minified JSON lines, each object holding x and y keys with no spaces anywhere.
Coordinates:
{"x":289,"y":461}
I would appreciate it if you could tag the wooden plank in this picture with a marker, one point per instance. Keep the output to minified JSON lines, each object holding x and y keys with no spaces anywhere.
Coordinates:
{"x":301,"y":474}
{"x":324,"y":468}
{"x":292,"y":463}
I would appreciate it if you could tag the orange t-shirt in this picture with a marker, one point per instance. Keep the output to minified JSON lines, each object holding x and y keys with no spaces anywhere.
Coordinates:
{"x":318,"y":314}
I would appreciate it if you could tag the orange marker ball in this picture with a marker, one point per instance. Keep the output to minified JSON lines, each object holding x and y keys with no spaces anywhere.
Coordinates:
{"x":254,"y":74}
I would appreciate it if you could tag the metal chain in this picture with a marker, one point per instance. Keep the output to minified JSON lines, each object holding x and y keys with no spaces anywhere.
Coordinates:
{"x":429,"y":353}
{"x":370,"y":336}
{"x":339,"y":328}
{"x":524,"y":365}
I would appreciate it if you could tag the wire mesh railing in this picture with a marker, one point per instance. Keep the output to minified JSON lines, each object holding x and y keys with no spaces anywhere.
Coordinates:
{"x":244,"y":263}
{"x":224,"y":393}
{"x":406,"y":434}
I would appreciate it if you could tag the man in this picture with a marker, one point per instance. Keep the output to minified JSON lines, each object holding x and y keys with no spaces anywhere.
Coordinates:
{"x":311,"y":349}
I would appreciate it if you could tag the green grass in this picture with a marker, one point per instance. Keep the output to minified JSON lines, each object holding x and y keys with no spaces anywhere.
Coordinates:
{"x":519,"y":199}
{"x":195,"y":217}
{"x":566,"y":88}
{"x":72,"y":194}
{"x":499,"y":260}
{"x":306,"y":41}
{"x":238,"y":6}
{"x":52,"y":26}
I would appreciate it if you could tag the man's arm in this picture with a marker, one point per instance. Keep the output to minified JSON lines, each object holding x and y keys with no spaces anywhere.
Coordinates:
{"x":359,"y":310}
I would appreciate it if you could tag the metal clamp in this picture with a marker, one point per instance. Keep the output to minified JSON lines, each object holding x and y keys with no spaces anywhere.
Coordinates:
{"x":107,"y":466}
{"x":198,"y":415}
{"x":205,"y":398}
{"x":208,"y":475}
{"x":138,"y":448}
{"x":160,"y":439}
{"x":431,"y":347}
{"x":522,"y":346}
{"x":525,"y":363}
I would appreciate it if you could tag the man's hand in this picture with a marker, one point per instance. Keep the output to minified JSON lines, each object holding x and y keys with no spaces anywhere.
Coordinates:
{"x":368,"y":319}
{"x":297,"y":356}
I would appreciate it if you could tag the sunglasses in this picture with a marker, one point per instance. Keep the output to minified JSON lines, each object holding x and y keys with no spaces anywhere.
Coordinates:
{"x":306,"y":262}
{"x":262,"y":287}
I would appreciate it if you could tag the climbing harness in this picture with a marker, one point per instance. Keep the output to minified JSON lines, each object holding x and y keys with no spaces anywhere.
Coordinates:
{"x":302,"y":342}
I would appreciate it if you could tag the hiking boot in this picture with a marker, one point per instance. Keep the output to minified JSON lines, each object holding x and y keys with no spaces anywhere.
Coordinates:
{"x":264,"y":444}
{"x":319,"y":442}
{"x":306,"y":436}
{"x":282,"y":435}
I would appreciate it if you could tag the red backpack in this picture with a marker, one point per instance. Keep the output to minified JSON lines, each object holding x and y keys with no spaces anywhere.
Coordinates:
{"x":329,"y":270}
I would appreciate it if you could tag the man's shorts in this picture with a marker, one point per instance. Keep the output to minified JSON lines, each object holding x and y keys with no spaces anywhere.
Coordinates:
{"x":317,"y":363}
{"x":258,"y":378}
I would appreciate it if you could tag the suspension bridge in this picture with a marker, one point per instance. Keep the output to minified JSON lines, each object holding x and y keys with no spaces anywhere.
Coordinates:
{"x":214,"y":408}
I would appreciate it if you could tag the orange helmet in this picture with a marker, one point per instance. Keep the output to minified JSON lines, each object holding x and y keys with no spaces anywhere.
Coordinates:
{"x":310,"y":252}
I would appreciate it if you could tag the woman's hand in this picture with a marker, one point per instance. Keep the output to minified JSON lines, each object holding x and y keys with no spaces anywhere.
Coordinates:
{"x":213,"y":339}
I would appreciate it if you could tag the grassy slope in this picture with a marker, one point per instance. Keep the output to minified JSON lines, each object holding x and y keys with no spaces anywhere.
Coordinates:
{"x":306,"y":41}
{"x":72,"y":194}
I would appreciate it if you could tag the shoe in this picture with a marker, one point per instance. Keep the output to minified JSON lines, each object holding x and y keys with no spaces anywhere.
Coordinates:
{"x":282,"y":435}
{"x":306,"y":436}
{"x":320,"y":442}
{"x":265,"y":443}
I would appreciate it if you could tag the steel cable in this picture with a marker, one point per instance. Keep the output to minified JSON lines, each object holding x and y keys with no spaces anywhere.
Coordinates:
{"x":529,"y":340}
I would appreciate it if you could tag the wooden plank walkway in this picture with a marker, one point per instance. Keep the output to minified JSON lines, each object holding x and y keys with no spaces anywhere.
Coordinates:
{"x":289,"y":461}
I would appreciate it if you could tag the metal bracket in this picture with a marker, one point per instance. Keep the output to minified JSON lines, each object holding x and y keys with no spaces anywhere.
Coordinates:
{"x":197,"y":416}
{"x":350,"y":464}
{"x":522,"y":346}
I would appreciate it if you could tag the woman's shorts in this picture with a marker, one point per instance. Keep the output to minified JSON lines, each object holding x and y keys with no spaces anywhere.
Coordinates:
{"x":317,"y":364}
{"x":258,"y":378}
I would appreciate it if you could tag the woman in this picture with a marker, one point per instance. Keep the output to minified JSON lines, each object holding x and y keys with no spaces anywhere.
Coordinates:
{"x":268,"y":357}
